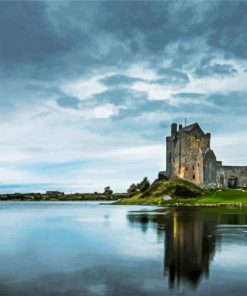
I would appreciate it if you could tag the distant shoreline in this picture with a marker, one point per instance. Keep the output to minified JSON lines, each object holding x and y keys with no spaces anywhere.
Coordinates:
{"x":129,"y":201}
{"x":172,"y":193}
{"x":61,"y":197}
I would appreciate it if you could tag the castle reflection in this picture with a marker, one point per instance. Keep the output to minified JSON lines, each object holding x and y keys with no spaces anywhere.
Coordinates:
{"x":189,"y":240}
{"x":189,"y":247}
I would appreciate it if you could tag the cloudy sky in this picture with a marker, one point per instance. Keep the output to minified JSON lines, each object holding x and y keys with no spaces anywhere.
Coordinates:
{"x":88,"y":89}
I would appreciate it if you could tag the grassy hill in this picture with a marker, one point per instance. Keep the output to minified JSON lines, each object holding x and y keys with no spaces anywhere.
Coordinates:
{"x":175,"y":187}
{"x":175,"y":192}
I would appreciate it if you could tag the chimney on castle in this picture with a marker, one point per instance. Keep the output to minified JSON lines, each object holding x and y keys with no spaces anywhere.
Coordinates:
{"x":174,"y":127}
{"x":180,"y":127}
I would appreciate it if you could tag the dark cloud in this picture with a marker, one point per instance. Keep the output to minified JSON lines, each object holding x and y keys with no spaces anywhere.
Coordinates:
{"x":234,"y":102}
{"x":227,"y":26}
{"x":117,"y":96}
{"x":190,"y":95}
{"x":141,"y":17}
{"x":68,"y":102}
{"x":172,"y":75}
{"x":142,"y":106}
{"x":215,"y":69}
{"x":135,"y":103}
{"x":68,"y":39}
{"x":117,"y":80}
{"x":26,"y":35}
{"x":150,"y":26}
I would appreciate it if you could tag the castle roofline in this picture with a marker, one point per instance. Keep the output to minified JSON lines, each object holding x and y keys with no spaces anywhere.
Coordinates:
{"x":189,"y":128}
{"x":183,"y":131}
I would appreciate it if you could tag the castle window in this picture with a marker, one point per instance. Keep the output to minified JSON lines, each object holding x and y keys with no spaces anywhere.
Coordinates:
{"x":198,"y":165}
{"x":186,"y":169}
{"x":193,"y":168}
{"x":194,"y":177}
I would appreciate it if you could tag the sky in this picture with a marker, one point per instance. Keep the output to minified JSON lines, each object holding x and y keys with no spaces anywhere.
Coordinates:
{"x":88,"y":90}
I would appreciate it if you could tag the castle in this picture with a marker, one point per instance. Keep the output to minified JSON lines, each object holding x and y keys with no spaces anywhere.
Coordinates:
{"x":189,"y":156}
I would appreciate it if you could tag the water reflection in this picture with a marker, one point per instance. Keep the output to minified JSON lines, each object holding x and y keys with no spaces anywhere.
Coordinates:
{"x":190,"y":237}
{"x":93,"y":250}
{"x":189,"y":247}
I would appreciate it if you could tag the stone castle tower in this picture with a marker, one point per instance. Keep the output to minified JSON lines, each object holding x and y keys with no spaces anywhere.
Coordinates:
{"x":189,"y":156}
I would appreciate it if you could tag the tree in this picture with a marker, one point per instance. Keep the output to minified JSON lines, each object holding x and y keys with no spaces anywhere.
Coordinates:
{"x":143,"y":185}
{"x":108,"y":190}
{"x":132,"y":190}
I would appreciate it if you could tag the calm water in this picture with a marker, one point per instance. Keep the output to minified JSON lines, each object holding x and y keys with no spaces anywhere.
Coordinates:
{"x":72,"y":248}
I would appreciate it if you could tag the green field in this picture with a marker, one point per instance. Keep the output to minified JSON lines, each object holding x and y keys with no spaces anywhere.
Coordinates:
{"x":225,"y":196}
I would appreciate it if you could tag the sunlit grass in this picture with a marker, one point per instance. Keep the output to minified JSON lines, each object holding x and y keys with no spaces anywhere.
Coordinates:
{"x":210,"y":198}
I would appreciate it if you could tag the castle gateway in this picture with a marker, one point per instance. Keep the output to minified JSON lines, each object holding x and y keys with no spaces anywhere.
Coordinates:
{"x":189,"y":156}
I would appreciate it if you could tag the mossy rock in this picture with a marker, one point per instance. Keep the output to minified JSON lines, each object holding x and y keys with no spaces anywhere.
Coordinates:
{"x":174,"y":187}
{"x":185,"y":192}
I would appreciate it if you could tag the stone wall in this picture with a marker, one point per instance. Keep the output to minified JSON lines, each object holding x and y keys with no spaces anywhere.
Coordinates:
{"x":209,"y":169}
{"x":228,"y":175}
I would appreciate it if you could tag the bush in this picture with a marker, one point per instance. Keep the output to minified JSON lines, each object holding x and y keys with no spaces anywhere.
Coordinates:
{"x":108,"y":190}
{"x":144,"y":185}
{"x":132,"y":190}
{"x":138,"y":188}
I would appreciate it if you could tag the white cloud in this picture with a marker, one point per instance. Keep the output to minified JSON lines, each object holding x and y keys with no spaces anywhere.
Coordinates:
{"x":104,"y":111}
{"x":83,"y":89}
{"x":206,"y":85}
{"x":226,"y":145}
{"x":11,"y":174}
{"x":34,"y":142}
{"x":144,"y":152}
{"x":142,"y":71}
{"x":87,"y":112}
{"x":154,"y":91}
{"x":156,"y":116}
{"x":212,"y":85}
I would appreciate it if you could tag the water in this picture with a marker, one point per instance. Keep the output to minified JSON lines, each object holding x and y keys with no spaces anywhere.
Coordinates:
{"x":83,"y":248}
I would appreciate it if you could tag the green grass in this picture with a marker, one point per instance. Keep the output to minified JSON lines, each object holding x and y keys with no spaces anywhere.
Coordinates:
{"x":209,"y":198}
{"x":138,"y":200}
{"x":227,"y":196}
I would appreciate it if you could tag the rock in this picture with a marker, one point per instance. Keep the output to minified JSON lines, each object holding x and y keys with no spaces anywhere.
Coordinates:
{"x":167,"y":197}
{"x":163,"y":176}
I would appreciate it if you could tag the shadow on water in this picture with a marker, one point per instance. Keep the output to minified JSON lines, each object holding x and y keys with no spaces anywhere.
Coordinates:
{"x":190,"y":237}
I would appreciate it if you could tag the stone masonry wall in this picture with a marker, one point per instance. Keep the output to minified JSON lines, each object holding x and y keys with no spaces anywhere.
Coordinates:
{"x":185,"y":155}
{"x":224,"y":173}
{"x":209,"y":169}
